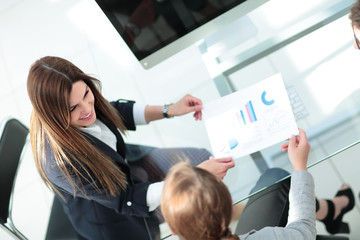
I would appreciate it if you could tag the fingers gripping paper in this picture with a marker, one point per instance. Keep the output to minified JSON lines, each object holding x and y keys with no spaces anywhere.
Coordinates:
{"x":250,"y":119}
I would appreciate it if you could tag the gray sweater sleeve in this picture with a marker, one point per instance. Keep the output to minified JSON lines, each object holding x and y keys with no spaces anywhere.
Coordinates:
{"x":301,"y":220}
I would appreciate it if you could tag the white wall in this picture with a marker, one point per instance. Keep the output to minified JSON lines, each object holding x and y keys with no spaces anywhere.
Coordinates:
{"x":80,"y":32}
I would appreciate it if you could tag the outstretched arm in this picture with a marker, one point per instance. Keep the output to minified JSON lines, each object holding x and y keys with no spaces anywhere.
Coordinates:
{"x":185,"y":105}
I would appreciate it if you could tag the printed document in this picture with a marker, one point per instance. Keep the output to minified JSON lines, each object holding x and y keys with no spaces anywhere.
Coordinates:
{"x":250,"y":119}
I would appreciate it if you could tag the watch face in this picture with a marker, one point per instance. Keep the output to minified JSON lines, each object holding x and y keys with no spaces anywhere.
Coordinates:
{"x":165,"y":110}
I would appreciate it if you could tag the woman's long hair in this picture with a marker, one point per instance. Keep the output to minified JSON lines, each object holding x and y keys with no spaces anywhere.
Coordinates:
{"x":355,"y":14}
{"x":196,"y":204}
{"x":49,"y":85}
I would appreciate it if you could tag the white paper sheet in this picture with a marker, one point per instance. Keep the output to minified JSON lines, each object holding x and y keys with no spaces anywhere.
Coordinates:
{"x":250,"y":119}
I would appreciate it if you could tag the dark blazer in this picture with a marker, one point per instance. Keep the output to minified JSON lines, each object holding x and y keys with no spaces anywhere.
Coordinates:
{"x":99,"y":216}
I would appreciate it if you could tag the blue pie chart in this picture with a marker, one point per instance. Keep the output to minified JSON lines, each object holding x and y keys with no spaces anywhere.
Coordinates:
{"x":265,"y":101}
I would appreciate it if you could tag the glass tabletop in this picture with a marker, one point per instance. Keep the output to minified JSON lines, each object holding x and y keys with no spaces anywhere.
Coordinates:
{"x":312,"y":47}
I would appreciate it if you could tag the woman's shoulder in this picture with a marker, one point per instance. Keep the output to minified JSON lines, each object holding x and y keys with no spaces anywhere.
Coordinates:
{"x":51,"y":165}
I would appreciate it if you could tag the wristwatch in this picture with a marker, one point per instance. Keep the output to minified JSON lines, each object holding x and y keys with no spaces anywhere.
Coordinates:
{"x":165,"y":111}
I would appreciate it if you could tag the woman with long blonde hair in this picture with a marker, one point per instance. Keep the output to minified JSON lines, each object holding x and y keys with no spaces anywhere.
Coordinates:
{"x":76,"y":137}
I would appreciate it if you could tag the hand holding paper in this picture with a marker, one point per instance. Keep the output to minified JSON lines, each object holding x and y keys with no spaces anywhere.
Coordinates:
{"x":218,"y":166}
{"x":250,"y":119}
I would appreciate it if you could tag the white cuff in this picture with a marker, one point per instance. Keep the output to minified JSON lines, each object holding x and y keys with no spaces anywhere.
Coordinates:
{"x":139,"y":114}
{"x":153,"y":195}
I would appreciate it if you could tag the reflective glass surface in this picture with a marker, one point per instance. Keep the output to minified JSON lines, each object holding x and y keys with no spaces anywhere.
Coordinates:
{"x":312,"y":48}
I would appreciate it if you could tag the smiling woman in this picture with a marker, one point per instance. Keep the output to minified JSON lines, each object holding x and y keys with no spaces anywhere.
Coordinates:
{"x":60,"y":104}
{"x":81,"y":105}
{"x":76,"y":138}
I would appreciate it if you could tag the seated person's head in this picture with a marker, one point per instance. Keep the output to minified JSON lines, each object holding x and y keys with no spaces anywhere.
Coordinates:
{"x":196,"y":204}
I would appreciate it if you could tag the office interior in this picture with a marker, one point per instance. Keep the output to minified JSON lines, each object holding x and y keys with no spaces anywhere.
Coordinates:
{"x":320,"y":66}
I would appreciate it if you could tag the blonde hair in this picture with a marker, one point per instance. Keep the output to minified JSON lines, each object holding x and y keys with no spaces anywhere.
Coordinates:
{"x":196,"y":204}
{"x":49,"y":85}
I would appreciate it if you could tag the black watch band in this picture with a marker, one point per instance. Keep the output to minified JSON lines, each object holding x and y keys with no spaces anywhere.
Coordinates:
{"x":165,"y":110}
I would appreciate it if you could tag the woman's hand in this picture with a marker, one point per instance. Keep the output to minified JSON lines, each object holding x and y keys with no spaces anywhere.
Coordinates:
{"x":186,"y":105}
{"x":218,"y":166}
{"x":298,"y":150}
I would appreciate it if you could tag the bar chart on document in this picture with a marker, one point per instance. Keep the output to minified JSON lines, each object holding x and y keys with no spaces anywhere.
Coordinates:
{"x":250,"y":119}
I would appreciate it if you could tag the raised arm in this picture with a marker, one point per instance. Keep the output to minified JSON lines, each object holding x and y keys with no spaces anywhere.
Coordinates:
{"x":298,"y":151}
{"x":301,"y":219}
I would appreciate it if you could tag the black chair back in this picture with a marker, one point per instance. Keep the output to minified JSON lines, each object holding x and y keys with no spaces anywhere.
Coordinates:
{"x":12,"y":141}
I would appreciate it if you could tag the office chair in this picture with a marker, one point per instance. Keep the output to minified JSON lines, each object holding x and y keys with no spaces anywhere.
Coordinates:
{"x":7,"y":234}
{"x":13,"y":139}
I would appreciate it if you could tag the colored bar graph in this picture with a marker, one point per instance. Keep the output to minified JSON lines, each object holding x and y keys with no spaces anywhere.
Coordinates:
{"x":252,"y":112}
{"x":242,"y":116}
{"x":248,"y":112}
